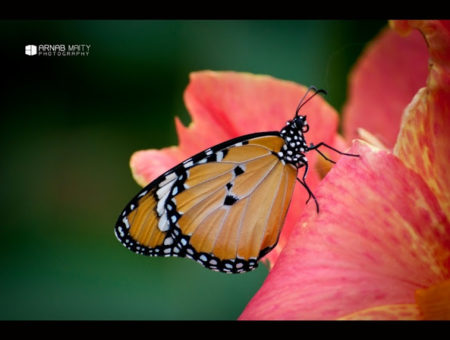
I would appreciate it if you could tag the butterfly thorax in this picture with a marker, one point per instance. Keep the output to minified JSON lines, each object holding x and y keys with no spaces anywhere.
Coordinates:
{"x":294,"y":148}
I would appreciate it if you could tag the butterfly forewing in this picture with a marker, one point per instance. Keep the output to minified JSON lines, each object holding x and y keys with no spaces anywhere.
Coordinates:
{"x":224,"y":207}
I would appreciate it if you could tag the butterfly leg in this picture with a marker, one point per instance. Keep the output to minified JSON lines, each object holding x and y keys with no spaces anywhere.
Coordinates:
{"x":316,"y":147}
{"x":303,"y":182}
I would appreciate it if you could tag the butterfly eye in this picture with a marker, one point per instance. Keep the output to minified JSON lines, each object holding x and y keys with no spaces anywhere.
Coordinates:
{"x":305,"y":127}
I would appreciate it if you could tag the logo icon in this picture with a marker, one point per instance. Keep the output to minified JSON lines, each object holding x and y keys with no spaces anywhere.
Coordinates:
{"x":30,"y":50}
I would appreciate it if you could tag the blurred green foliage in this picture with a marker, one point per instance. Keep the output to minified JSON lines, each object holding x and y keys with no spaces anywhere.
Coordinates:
{"x":69,"y":126}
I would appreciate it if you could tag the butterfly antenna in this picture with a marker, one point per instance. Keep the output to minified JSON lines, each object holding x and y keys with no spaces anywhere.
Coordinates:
{"x":303,"y":101}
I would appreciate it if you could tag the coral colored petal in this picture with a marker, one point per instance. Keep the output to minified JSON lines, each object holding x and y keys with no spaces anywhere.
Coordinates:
{"x":424,"y":142}
{"x":436,"y":32}
{"x":224,"y":105}
{"x":383,"y":82}
{"x":380,"y":235}
{"x":387,"y":312}
{"x":146,"y":165}
{"x":367,"y":137}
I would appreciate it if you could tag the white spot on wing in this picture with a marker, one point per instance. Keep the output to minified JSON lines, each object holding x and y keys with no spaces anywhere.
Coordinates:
{"x":188,"y":164}
{"x":125,"y":221}
{"x":162,"y":192}
{"x":120,"y":230}
{"x":219,"y":156}
{"x":163,"y":224}
{"x":160,"y":206}
{"x":142,"y":193}
{"x":169,"y":178}
{"x":168,"y":241}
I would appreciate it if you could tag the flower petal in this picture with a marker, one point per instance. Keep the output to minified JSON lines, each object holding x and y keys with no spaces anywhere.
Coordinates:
{"x":224,"y":105}
{"x":383,"y":82}
{"x":146,"y":165}
{"x":380,"y":235}
{"x":437,"y":35}
{"x":367,"y":137}
{"x":235,"y":104}
{"x":424,"y":142}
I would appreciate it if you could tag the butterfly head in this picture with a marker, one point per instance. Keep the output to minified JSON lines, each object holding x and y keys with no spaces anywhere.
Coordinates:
{"x":294,"y":130}
{"x":301,"y":123}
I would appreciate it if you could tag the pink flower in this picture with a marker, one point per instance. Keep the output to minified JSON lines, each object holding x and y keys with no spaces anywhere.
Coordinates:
{"x":224,"y":105}
{"x":380,"y":248}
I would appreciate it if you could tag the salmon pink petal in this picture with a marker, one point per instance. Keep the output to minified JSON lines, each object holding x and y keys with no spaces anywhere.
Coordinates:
{"x":367,"y":137}
{"x":381,"y":235}
{"x":437,"y":35}
{"x":383,"y":82}
{"x":424,"y":141}
{"x":235,"y":104}
{"x":224,"y":105}
{"x":147,"y":165}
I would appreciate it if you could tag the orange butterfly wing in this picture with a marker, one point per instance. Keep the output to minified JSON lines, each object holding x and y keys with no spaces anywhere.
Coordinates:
{"x":224,"y":207}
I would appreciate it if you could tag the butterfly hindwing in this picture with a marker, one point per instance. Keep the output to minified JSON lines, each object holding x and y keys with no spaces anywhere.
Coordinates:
{"x":223,"y":207}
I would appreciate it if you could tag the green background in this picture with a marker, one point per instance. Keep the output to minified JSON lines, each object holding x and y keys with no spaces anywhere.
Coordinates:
{"x":69,"y":126}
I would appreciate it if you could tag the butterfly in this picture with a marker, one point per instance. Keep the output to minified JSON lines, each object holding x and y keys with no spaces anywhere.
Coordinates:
{"x":225,"y":206}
